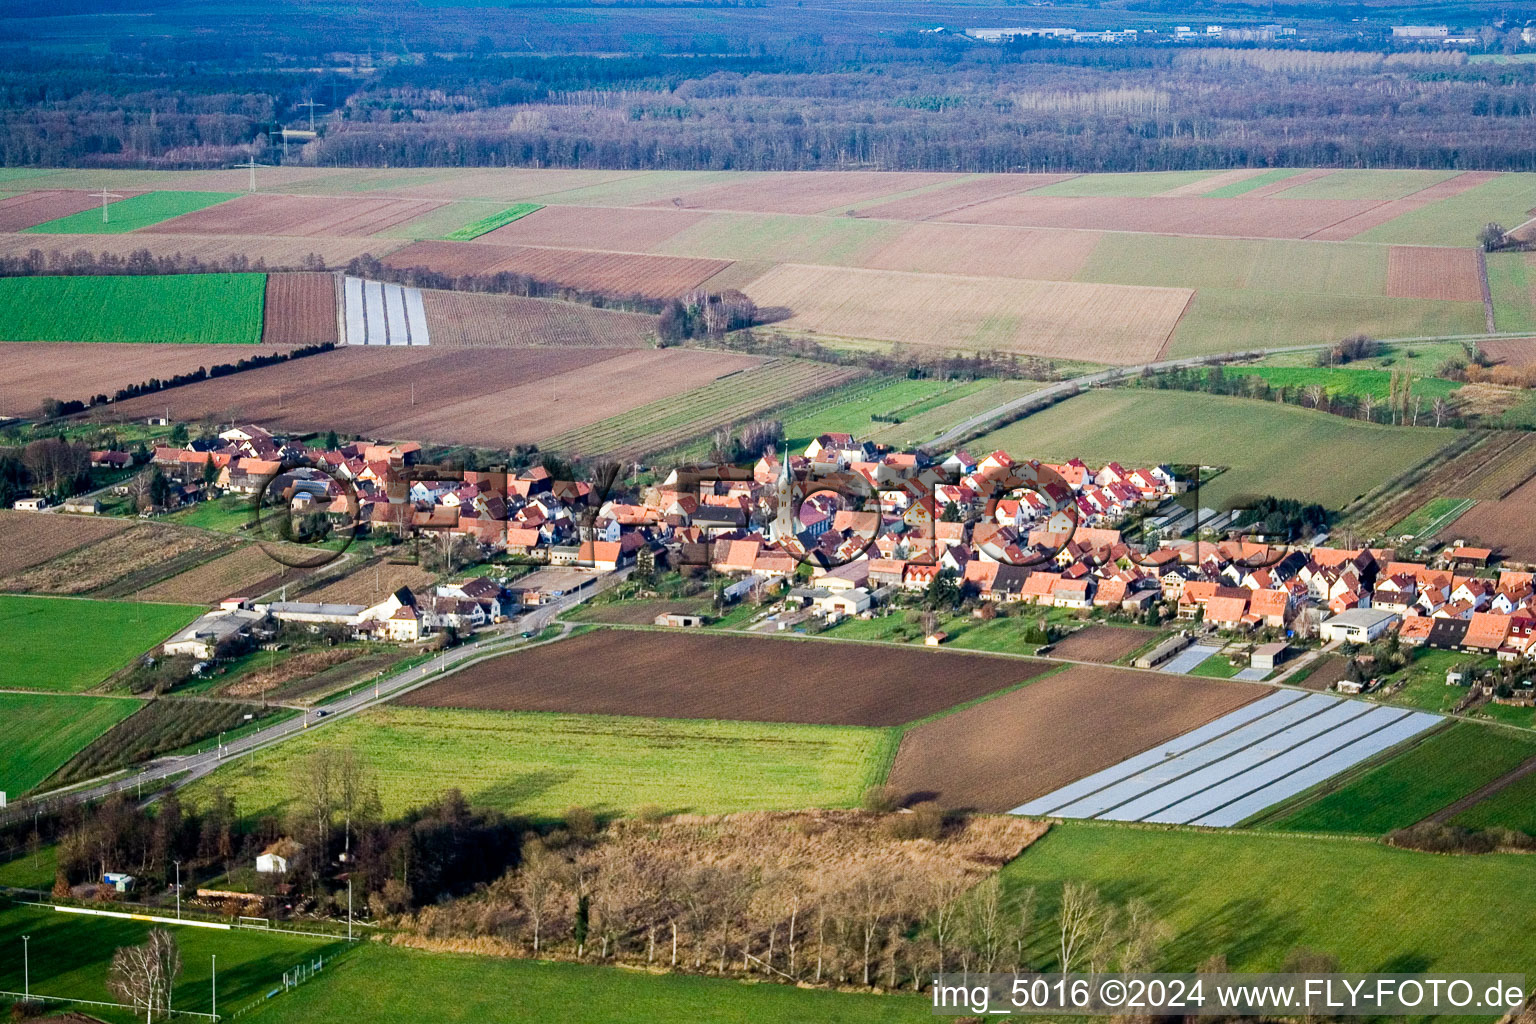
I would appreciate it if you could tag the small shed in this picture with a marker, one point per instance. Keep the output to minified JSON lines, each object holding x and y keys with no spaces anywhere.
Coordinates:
{"x":936,"y":638}
{"x":1269,"y":656}
{"x":679,"y":620}
{"x":118,"y":880}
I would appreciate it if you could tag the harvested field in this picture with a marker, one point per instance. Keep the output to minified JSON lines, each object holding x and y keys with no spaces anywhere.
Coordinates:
{"x":673,"y":421}
{"x":1514,"y":352}
{"x":987,"y":251}
{"x":805,"y":191}
{"x":277,"y":253}
{"x":961,"y":193}
{"x":1243,"y":217}
{"x":1094,"y":322}
{"x":120,"y":563}
{"x":370,"y":583}
{"x":1215,"y":183}
{"x":32,"y":208}
{"x":1503,"y":525}
{"x":614,"y":273}
{"x":245,"y":572}
{"x":594,"y":227}
{"x":297,"y":215}
{"x":300,"y":309}
{"x":1421,"y":272}
{"x":1104,"y":644}
{"x":469,"y":396}
{"x":475,"y":320}
{"x":676,"y":675}
{"x":996,"y":755}
{"x":67,"y":370}
{"x":31,"y":538}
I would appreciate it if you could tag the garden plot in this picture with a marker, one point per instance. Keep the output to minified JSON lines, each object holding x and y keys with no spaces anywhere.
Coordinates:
{"x":379,"y":313}
{"x":1228,"y":770}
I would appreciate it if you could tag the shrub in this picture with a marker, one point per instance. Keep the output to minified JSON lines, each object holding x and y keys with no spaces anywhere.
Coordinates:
{"x":881,"y":799}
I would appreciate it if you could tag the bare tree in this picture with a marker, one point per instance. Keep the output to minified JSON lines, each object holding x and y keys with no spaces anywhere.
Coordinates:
{"x":1313,"y":393}
{"x":1440,"y":408}
{"x":538,"y":884}
{"x":984,"y":923}
{"x":1025,"y":926}
{"x":1082,"y":913}
{"x":143,"y":976}
{"x":1367,"y":406}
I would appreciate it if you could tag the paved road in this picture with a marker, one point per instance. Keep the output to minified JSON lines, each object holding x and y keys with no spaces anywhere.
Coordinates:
{"x":495,"y":640}
{"x":1067,"y":387}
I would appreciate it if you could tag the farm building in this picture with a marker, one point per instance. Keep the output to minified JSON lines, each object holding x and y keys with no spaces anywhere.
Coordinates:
{"x":202,"y":638}
{"x":679,"y":620}
{"x":1268,"y":656}
{"x":1358,"y":625}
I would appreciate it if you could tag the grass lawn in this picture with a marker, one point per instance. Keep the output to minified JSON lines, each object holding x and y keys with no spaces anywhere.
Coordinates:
{"x":1416,"y":783}
{"x":130,"y":214}
{"x":1509,"y":282}
{"x":228,"y":514}
{"x":1457,"y":219}
{"x":1430,"y":517}
{"x":71,"y":644}
{"x":1255,"y":896}
{"x":955,"y":406}
{"x":1424,"y":679}
{"x":70,"y":954}
{"x":1002,"y":635}
{"x":388,"y":985}
{"x":848,"y":410}
{"x":39,"y":732}
{"x":181,"y":308}
{"x":1217,"y":666}
{"x":1514,"y":806}
{"x":1228,"y":320}
{"x":1271,"y":448}
{"x":540,"y":764}
{"x":28,"y":871}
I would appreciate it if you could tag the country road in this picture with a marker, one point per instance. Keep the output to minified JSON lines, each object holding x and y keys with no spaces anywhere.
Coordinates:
{"x":496,"y":640}
{"x":965,"y":427}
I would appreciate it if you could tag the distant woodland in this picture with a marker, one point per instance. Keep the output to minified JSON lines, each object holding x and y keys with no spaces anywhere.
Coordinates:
{"x":756,"y":85}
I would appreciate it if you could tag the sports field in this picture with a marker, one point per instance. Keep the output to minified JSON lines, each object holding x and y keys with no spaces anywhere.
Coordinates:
{"x":390,"y":985}
{"x":540,"y":764}
{"x":1410,"y":787}
{"x":40,"y":732}
{"x":69,"y":955}
{"x":1270,"y":448}
{"x":182,"y":308}
{"x":132,"y":213}
{"x":1253,"y":897}
{"x":69,"y":644}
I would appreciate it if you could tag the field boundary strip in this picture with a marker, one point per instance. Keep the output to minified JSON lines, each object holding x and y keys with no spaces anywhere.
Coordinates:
{"x":1447,"y":518}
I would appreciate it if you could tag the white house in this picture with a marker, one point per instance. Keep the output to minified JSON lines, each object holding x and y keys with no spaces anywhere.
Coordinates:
{"x":1358,"y":625}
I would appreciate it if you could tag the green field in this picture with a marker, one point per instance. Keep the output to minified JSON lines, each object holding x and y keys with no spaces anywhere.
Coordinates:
{"x":491,"y":223}
{"x":1265,"y":265}
{"x":1366,"y":184}
{"x":1432,"y":516}
{"x":1456,"y":220}
{"x":1343,"y":380}
{"x":918,"y":426}
{"x":540,"y":764}
{"x":1514,"y":806}
{"x":230,"y":513}
{"x":671,"y":422}
{"x":1253,"y":897}
{"x":459,"y":222}
{"x":1127,"y":185}
{"x":1238,"y":188}
{"x":70,"y":954}
{"x":1417,"y":783}
{"x":40,"y":732}
{"x":71,"y":644}
{"x":847,"y":410}
{"x":1509,"y":282}
{"x":387,"y":985}
{"x":183,"y":308}
{"x":133,"y":213}
{"x":1229,"y":320}
{"x":1270,"y":448}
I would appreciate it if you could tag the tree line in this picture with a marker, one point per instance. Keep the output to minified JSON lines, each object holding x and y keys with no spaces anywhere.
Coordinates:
{"x":37,"y":263}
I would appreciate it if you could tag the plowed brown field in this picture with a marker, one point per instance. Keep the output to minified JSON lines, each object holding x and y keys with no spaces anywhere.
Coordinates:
{"x":1239,"y":217}
{"x":486,"y":396}
{"x":614,"y":273}
{"x":678,"y":675}
{"x":473,"y":320}
{"x":805,"y":191}
{"x":1349,"y":227}
{"x":31,"y":538}
{"x":35,"y":370}
{"x":1422,"y":272}
{"x":987,"y":251}
{"x":300,"y":309}
{"x":594,"y":227}
{"x":963,"y":193}
{"x":1104,"y":644}
{"x":371,"y":583}
{"x":1000,"y":753}
{"x":33,"y":208}
{"x":1066,"y":320}
{"x":297,"y":215}
{"x":1510,"y":351}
